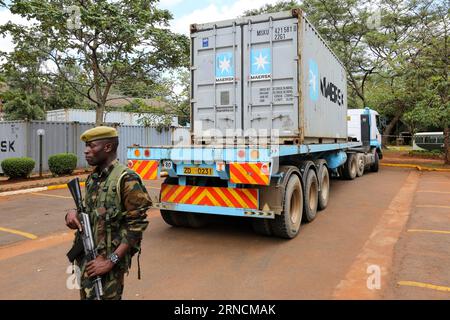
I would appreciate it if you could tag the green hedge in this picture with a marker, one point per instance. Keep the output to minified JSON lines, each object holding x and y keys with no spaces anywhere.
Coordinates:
{"x":434,"y":154}
{"x":62,"y":163}
{"x":18,"y":167}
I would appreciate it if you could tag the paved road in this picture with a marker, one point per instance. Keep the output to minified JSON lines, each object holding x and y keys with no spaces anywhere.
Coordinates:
{"x":226,"y":260}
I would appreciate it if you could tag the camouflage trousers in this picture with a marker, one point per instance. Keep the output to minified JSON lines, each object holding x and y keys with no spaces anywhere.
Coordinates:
{"x":112,"y":282}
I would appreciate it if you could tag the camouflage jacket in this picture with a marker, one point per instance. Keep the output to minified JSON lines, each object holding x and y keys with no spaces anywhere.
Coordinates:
{"x":125,"y":219}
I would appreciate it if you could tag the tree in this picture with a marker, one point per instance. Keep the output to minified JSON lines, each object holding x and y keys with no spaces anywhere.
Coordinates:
{"x":272,"y":8}
{"x":174,"y":95}
{"x":394,"y":88}
{"x":24,"y":72}
{"x":431,"y":71}
{"x":22,"y":107}
{"x":111,"y":42}
{"x":179,"y":96}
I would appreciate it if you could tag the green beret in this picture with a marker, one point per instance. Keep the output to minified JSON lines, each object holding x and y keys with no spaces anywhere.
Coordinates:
{"x":99,"y":133}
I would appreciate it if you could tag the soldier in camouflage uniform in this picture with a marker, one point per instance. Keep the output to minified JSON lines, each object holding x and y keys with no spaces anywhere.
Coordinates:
{"x":116,"y":201}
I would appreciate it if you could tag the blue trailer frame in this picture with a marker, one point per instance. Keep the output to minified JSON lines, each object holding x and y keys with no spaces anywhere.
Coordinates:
{"x":208,"y":156}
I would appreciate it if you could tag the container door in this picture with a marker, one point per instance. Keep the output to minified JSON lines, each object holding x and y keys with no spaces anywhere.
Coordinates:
{"x":270,"y":77}
{"x":216,"y":80}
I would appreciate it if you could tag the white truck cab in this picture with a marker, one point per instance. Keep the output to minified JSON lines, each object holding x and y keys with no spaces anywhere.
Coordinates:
{"x":357,"y":128}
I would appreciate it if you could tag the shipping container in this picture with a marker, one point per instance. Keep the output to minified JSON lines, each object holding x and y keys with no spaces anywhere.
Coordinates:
{"x":267,"y":72}
{"x":88,"y":116}
{"x":269,"y":75}
{"x":13,"y":140}
{"x":20,"y":139}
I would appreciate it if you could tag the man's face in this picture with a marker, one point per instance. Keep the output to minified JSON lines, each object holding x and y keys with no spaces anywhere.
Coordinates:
{"x":96,"y":152}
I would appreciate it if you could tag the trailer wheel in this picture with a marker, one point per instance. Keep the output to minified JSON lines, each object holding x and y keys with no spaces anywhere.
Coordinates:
{"x":350,"y":167}
{"x":324,"y":193}
{"x":311,"y":196}
{"x":375,"y":166}
{"x":168,"y":217}
{"x":360,"y":165}
{"x":288,"y":223}
{"x":188,"y":219}
{"x":196,"y":220}
{"x":262,"y":226}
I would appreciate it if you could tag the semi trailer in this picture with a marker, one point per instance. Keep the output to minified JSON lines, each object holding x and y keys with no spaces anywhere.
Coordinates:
{"x":269,"y":128}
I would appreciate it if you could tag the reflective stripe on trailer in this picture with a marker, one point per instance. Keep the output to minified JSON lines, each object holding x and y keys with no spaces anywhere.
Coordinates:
{"x":147,"y":169}
{"x":250,"y":173}
{"x":210,"y":196}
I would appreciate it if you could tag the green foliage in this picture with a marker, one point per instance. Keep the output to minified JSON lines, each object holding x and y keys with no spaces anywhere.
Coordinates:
{"x":19,"y":106}
{"x":178,"y":97}
{"x":433,"y":154}
{"x":273,"y":8}
{"x":172,"y":97}
{"x":151,"y":116}
{"x":114,"y":43}
{"x":62,"y":163}
{"x":18,"y":167}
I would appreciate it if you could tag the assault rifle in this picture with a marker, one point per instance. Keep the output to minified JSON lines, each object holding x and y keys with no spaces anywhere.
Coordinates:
{"x":86,"y":235}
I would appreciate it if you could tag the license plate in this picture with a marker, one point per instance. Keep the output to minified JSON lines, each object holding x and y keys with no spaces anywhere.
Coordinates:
{"x":199,"y":171}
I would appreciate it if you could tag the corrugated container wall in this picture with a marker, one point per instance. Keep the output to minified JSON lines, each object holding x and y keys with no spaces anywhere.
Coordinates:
{"x":267,"y":72}
{"x":88,"y":116}
{"x":20,"y":139}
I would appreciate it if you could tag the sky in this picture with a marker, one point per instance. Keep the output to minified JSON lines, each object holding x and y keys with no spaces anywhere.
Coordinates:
{"x":185,"y":12}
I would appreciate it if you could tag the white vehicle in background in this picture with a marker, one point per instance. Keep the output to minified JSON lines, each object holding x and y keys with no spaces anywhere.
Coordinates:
{"x":428,"y":141}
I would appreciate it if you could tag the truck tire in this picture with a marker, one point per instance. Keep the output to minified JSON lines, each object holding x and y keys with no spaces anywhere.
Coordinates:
{"x":288,"y":223}
{"x":350,"y":167}
{"x":173,"y":218}
{"x":262,"y":226}
{"x":324,"y":193}
{"x":375,"y":166}
{"x":181,"y":219}
{"x":196,"y":220}
{"x":311,"y":196}
{"x":359,"y":165}
{"x":168,"y":217}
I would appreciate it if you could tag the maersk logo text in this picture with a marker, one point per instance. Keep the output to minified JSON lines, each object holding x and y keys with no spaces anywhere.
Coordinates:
{"x":331,"y":91}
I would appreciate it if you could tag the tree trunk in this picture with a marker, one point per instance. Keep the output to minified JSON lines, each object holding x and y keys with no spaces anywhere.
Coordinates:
{"x":447,"y":145}
{"x":99,"y":112}
{"x":388,"y":130}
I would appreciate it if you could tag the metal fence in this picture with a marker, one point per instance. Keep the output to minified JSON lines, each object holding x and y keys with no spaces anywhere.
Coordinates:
{"x":20,"y":139}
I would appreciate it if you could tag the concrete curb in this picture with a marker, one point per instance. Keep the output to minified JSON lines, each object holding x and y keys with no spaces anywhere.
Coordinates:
{"x":413,"y":166}
{"x":39,"y":189}
{"x":52,"y":187}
